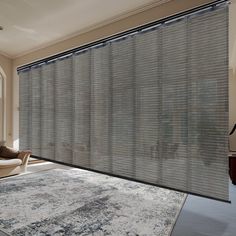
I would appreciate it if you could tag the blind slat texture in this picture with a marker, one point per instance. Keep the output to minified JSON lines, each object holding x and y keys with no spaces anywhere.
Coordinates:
{"x":152,"y":106}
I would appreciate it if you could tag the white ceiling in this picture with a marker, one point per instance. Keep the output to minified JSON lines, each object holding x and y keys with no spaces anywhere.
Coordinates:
{"x":32,"y":24}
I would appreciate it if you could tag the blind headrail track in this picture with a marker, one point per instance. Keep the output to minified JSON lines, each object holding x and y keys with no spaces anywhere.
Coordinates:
{"x":122,"y":34}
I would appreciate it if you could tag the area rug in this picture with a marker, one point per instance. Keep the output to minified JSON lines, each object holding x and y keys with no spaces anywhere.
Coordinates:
{"x":79,"y":202}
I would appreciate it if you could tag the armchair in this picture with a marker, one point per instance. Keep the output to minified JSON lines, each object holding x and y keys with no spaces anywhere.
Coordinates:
{"x":13,"y":162}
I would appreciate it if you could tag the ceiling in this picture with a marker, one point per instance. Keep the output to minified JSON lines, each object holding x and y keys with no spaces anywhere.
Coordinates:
{"x":33,"y":24}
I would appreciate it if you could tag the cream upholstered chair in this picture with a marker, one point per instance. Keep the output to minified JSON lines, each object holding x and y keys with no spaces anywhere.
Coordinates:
{"x":12,"y":162}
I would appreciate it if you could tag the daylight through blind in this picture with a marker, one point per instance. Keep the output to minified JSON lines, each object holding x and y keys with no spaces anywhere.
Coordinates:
{"x":152,"y":106}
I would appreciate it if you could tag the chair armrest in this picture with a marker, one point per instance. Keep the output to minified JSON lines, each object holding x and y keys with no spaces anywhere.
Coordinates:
{"x":24,"y":156}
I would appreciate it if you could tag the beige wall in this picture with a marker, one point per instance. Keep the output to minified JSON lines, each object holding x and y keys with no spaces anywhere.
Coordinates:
{"x":232,"y":72}
{"x":232,"y":107}
{"x":6,"y":71}
{"x":149,"y":15}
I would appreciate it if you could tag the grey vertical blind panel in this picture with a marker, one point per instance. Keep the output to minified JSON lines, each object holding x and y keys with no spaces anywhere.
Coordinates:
{"x":208,"y":99}
{"x":63,"y":110}
{"x":36,"y":111}
{"x":123,"y":107}
{"x":48,"y":110}
{"x":148,"y":105}
{"x":81,"y":106}
{"x":152,"y":106}
{"x":25,"y":110}
{"x":174,"y":122}
{"x":101,"y":109}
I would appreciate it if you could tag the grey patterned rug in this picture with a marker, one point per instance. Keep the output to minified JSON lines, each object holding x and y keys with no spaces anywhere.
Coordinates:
{"x":78,"y":202}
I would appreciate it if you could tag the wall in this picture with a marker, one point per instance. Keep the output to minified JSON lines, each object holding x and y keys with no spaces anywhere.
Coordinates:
{"x":232,"y":72}
{"x":232,"y":107}
{"x":149,"y":15}
{"x":6,"y":71}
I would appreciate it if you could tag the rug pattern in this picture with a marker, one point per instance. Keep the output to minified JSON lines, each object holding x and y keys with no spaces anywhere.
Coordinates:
{"x":79,"y":202}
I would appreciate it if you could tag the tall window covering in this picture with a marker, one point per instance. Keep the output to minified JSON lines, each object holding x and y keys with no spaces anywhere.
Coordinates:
{"x":152,"y":106}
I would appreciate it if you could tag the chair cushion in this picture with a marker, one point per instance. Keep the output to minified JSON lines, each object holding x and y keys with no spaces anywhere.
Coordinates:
{"x":10,"y":163}
{"x":8,"y":152}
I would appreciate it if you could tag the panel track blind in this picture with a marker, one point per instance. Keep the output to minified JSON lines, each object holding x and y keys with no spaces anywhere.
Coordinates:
{"x":151,"y":106}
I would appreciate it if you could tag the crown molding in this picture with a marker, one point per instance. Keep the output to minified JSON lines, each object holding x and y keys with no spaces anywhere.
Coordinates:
{"x":7,"y":55}
{"x":119,"y":17}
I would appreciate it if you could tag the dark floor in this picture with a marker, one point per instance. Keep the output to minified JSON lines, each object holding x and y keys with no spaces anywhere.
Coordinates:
{"x":205,"y":217}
